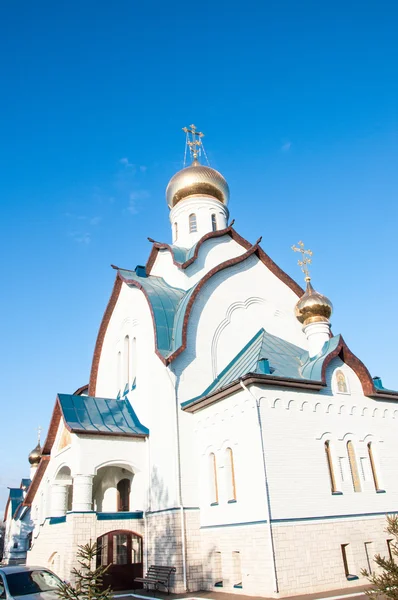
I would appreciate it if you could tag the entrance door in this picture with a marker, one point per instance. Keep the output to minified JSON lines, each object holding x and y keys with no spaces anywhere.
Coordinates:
{"x":122,"y":550}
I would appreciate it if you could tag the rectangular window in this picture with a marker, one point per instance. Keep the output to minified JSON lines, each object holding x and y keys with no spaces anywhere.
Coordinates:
{"x":390,"y":546}
{"x":369,"y":551}
{"x":347,"y":562}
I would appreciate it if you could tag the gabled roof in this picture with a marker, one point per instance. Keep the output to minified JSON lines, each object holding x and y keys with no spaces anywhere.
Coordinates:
{"x":270,"y":360}
{"x":264,"y":354}
{"x":85,"y":414}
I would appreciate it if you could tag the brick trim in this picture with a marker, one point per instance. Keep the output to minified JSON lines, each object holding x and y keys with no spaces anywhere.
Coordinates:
{"x":101,"y":335}
{"x":38,"y":476}
{"x":272,"y":266}
{"x":349,"y":358}
{"x":264,"y":258}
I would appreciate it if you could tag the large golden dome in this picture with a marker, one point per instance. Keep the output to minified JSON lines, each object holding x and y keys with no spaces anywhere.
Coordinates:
{"x":35,"y":455}
{"x":197,"y":180}
{"x":313,"y":307}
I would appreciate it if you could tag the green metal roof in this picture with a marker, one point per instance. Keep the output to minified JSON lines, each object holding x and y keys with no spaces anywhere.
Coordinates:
{"x":86,"y":414}
{"x":16,"y":498}
{"x":168,"y":306}
{"x":273,"y":356}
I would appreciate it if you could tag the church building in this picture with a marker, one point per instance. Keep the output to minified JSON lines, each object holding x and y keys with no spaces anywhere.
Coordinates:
{"x":225,"y":430}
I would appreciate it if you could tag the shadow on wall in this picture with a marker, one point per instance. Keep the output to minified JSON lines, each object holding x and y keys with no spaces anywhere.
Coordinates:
{"x":165,"y":547}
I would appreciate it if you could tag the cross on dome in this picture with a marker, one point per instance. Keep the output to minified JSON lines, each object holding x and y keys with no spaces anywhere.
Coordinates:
{"x":194,"y":143}
{"x":305,"y":259}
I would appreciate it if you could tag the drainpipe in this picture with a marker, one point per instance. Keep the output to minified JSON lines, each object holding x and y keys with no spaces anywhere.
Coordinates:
{"x":148,"y":503}
{"x":267,"y":494}
{"x":179,"y":486}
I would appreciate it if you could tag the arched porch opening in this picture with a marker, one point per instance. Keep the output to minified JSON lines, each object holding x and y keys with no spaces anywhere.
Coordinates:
{"x":112,"y":488}
{"x":122,"y":550}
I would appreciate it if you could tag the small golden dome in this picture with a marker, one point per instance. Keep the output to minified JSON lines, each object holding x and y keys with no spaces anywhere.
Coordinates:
{"x":35,"y":455}
{"x":197,"y":180}
{"x":313,"y":307}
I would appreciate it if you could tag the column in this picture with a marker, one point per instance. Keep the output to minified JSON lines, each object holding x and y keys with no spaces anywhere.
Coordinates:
{"x":82,"y":493}
{"x":59,"y":495}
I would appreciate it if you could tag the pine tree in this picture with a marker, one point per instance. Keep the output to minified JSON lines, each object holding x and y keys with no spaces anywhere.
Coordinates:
{"x":385,"y":581}
{"x":88,"y":582}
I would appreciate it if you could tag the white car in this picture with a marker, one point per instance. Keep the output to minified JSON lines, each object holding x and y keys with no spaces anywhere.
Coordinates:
{"x":31,"y":583}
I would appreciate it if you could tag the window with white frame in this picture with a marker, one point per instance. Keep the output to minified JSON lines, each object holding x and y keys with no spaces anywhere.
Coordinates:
{"x":193,"y":226}
{"x":213,"y":484}
{"x":229,"y":469}
{"x":213,"y":222}
{"x":329,"y":463}
{"x":353,"y":467}
{"x":126,"y":364}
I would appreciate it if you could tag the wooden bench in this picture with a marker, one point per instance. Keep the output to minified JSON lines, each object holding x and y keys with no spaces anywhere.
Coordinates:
{"x":156,"y":576}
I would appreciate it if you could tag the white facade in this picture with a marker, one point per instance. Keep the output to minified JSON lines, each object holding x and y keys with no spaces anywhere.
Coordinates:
{"x":255,"y":490}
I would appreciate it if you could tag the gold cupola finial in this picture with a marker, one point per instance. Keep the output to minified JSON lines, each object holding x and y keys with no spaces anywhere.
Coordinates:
{"x":196,"y":179}
{"x":35,"y":455}
{"x":312,"y":307}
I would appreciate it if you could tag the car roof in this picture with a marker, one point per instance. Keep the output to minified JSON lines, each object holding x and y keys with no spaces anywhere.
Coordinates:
{"x":19,"y":569}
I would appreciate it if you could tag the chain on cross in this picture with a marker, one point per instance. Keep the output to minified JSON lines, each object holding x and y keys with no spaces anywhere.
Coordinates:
{"x":305,"y":259}
{"x":194,"y":141}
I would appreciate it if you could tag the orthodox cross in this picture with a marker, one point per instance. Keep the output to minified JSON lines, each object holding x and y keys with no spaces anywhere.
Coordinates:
{"x":193,"y":141}
{"x":39,"y":430}
{"x":305,"y":259}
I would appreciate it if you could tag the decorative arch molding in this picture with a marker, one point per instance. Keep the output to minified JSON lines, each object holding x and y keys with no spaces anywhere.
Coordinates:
{"x":235,"y":306}
{"x":348,"y":436}
{"x":344,"y":353}
{"x":124,"y":464}
{"x":64,"y":465}
{"x":326,"y":435}
{"x":276,"y":402}
{"x":250,"y":250}
{"x":370,"y":437}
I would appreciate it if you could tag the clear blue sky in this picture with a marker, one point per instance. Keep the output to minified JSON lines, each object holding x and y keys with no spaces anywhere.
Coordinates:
{"x":299,"y":103}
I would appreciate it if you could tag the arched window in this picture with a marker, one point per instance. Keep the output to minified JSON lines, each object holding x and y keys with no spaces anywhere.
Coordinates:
{"x":330,"y":466}
{"x":133,"y":363}
{"x":213,"y":486}
{"x":213,"y":222}
{"x":119,"y":372}
{"x":353,"y":467}
{"x":193,"y":227}
{"x":341,"y":382}
{"x":126,"y":363}
{"x":123,"y":495}
{"x":175,"y":231}
{"x":373,"y":466}
{"x":230,"y":475}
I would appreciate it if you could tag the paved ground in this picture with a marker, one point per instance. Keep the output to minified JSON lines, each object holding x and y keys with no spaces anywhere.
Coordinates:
{"x":357,"y":592}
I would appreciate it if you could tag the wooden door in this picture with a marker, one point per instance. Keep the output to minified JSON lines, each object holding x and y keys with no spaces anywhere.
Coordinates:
{"x":122,"y":550}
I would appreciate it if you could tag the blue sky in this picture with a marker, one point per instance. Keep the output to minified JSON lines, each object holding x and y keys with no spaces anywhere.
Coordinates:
{"x":299,"y":104}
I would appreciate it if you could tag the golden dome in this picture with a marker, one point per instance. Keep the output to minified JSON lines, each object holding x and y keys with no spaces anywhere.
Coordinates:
{"x":35,"y":455}
{"x":313,"y":307}
{"x":197,"y":180}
